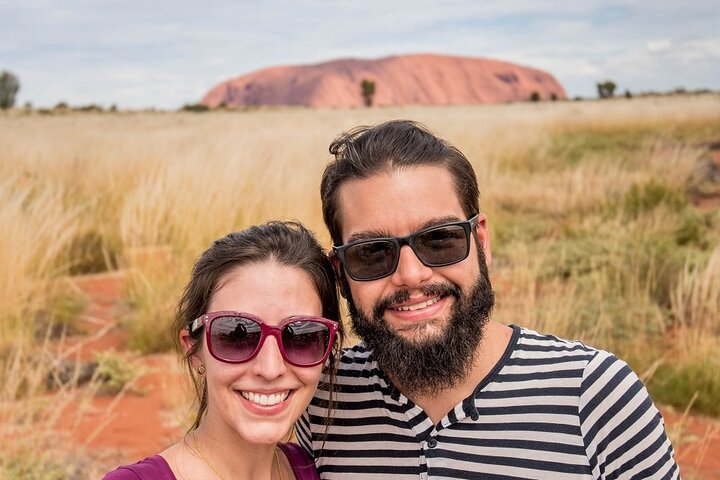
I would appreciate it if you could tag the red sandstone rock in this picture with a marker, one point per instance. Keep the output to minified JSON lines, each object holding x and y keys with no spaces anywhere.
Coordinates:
{"x":400,"y":80}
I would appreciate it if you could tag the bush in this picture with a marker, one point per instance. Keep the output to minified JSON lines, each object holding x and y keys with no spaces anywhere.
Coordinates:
{"x":606,"y":89}
{"x":9,"y":86}
{"x":677,"y":383}
{"x":367,"y":90}
{"x":641,"y":199}
{"x":60,"y":315}
{"x":114,"y":371}
{"x":196,"y":108}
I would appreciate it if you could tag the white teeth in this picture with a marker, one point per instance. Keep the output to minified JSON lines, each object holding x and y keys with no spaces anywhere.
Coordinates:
{"x":265,"y":400}
{"x":417,"y":306}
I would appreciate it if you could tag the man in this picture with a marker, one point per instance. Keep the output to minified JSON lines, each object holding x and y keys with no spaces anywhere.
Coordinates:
{"x":435,"y":389}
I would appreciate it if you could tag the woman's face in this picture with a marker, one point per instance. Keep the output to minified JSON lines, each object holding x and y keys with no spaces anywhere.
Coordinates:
{"x":236,"y":392}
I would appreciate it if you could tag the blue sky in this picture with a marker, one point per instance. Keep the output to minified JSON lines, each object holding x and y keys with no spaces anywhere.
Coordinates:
{"x":163,"y":54}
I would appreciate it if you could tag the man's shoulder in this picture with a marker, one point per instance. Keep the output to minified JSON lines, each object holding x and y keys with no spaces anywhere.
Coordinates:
{"x":358,"y":354}
{"x":530,"y":340}
{"x":539,"y":348}
{"x":357,"y":366}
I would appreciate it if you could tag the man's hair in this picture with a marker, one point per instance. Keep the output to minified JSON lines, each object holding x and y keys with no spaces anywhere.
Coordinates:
{"x":395,"y":145}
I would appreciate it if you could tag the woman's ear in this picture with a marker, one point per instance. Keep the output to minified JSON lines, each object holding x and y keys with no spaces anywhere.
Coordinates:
{"x":185,"y":339}
{"x":186,"y":342}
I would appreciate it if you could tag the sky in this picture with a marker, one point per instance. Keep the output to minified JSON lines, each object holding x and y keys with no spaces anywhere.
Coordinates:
{"x":164,"y":54}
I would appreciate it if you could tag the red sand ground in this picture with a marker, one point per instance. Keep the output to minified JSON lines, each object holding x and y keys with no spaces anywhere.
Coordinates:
{"x":136,"y":425}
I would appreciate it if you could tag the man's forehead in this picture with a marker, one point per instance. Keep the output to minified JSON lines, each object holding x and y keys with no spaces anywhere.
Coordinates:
{"x":398,"y":202}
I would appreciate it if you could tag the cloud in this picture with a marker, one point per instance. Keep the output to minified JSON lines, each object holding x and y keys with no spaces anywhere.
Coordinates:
{"x":165,"y":53}
{"x":657,"y":46}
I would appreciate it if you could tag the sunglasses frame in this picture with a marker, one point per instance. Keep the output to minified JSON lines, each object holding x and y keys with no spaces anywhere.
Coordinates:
{"x":468,"y":225}
{"x":265,"y":331}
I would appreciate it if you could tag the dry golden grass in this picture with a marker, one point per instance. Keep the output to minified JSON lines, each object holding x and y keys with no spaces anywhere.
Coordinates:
{"x":593,"y":234}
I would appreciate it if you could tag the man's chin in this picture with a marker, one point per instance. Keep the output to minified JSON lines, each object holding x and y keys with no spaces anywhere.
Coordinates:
{"x":421,"y":333}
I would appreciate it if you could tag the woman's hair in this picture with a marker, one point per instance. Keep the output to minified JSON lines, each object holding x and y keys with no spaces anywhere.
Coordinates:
{"x":287,"y":243}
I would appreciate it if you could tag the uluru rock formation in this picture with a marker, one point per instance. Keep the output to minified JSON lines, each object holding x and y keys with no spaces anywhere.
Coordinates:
{"x":422,"y":79}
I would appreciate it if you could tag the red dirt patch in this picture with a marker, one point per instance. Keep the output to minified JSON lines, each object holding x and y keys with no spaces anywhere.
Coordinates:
{"x":141,"y":421}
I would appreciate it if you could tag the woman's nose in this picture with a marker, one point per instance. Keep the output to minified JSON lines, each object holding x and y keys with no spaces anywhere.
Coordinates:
{"x":269,"y":362}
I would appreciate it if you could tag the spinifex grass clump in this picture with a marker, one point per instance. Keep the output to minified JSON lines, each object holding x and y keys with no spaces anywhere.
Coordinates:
{"x":36,"y":231}
{"x":598,"y":237}
{"x":33,"y":447}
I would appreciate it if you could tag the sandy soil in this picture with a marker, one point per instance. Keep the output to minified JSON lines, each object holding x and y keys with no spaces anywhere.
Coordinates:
{"x":147,"y":418}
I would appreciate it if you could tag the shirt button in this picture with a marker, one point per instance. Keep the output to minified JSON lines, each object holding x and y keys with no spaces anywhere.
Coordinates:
{"x":432,"y":443}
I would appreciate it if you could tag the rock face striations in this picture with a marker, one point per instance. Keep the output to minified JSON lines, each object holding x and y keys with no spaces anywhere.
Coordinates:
{"x":399,"y":80}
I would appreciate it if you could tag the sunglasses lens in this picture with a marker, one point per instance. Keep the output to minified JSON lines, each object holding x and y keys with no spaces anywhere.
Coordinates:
{"x":234,"y":338}
{"x":371,"y":259}
{"x":442,"y":246}
{"x":305,"y":342}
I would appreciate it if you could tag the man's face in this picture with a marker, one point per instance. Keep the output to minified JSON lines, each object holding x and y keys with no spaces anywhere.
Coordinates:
{"x":417,"y":305}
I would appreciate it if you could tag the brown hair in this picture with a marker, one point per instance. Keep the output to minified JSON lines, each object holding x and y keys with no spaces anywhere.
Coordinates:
{"x":398,"y":144}
{"x":288,"y":243}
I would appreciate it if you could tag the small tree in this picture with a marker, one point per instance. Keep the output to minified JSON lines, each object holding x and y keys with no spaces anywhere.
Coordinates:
{"x":367,"y":88}
{"x":606,"y":89}
{"x":9,"y":86}
{"x":534,"y":96}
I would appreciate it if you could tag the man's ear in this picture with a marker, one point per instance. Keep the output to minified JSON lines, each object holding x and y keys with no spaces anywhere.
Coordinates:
{"x":339,"y":274}
{"x":482,"y":234}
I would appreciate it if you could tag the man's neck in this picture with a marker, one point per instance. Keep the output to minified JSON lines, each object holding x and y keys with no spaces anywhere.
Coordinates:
{"x":489,"y":352}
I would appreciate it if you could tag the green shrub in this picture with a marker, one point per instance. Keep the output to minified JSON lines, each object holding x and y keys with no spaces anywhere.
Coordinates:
{"x":693,"y":229}
{"x":641,"y":199}
{"x":196,"y":108}
{"x":60,"y":316}
{"x":571,"y":148}
{"x":676,"y":383}
{"x":114,"y":371}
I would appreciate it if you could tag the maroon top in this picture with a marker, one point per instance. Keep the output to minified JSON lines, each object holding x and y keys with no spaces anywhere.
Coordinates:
{"x":303,"y":466}
{"x":156,"y":468}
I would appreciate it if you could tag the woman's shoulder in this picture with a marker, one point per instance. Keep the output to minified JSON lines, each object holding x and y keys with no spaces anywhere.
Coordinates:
{"x":155,"y":468}
{"x":302,"y":464}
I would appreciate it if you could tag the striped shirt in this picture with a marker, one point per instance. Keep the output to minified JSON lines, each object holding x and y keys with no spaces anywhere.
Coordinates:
{"x":550,"y":409}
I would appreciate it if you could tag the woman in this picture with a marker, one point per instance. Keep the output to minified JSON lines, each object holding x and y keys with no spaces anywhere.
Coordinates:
{"x":257,"y":323}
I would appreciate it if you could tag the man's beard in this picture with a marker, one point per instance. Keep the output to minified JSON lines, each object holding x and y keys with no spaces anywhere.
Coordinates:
{"x":428,"y":365}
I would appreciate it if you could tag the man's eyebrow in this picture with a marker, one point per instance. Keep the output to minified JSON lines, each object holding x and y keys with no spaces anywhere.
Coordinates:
{"x":372,"y":234}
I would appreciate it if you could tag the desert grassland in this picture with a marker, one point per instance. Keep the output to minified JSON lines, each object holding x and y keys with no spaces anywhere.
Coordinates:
{"x":594,"y":233}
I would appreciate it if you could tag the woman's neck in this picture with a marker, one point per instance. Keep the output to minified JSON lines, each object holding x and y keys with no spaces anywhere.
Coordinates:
{"x":215,"y":454}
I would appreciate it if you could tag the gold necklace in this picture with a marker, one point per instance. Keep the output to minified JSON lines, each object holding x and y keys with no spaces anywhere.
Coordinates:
{"x":277,"y":462}
{"x":195,"y":449}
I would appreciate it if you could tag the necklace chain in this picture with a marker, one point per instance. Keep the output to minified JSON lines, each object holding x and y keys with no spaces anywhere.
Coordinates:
{"x":197,"y":450}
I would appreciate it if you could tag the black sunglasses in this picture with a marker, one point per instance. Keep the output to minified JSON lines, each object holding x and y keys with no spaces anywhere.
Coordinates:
{"x":236,"y":337}
{"x":437,"y":246}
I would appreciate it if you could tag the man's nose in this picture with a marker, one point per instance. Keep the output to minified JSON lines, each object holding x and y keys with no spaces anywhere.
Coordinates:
{"x":410,"y":272}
